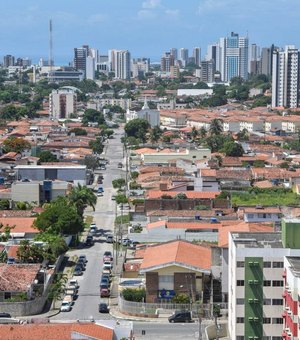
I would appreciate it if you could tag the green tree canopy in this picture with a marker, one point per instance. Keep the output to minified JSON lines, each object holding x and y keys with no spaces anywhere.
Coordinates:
{"x":118,"y":183}
{"x":233,"y":149}
{"x":216,"y":126}
{"x":15,"y":144}
{"x":78,"y":131}
{"x":91,"y":162}
{"x":137,"y":128}
{"x":93,"y":116}
{"x":47,"y":156}
{"x":97,"y":145}
{"x":81,"y":197}
{"x":59,"y":218}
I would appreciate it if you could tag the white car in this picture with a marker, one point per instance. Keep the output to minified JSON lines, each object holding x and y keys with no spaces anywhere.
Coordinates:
{"x":74,"y":283}
{"x":65,"y":306}
{"x":107,"y":265}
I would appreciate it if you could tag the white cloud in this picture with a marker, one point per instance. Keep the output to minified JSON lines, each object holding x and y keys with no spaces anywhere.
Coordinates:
{"x":96,"y":19}
{"x":172,"y":12}
{"x":151,"y":4}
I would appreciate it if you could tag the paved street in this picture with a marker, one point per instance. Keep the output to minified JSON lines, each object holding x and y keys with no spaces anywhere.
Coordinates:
{"x":86,"y":305}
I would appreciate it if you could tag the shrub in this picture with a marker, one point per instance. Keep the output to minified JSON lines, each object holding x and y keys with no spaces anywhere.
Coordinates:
{"x":134,"y":294}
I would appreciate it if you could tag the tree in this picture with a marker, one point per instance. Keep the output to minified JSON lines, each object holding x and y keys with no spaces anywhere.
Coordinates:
{"x":137,"y":128}
{"x":82,"y":197}
{"x":118,"y":183}
{"x":91,"y":162}
{"x":30,"y":253}
{"x":202,"y":132}
{"x":55,"y":245}
{"x":5,"y":232}
{"x":47,"y":156}
{"x":97,"y":145}
{"x":259,"y":164}
{"x":78,"y":131}
{"x":59,"y":217}
{"x":216,"y":126}
{"x":181,"y":196}
{"x":155,"y":134}
{"x":233,"y":149}
{"x":121,"y":199}
{"x":194,"y":133}
{"x":94,"y":116}
{"x":15,"y":144}
{"x":134,"y":294}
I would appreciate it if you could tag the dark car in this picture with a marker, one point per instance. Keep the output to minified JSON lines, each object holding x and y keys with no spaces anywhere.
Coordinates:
{"x":104,"y":285}
{"x":106,"y":276}
{"x":103,"y":308}
{"x":5,"y":315}
{"x":81,"y":264}
{"x":104,"y":281}
{"x":89,"y":240}
{"x":181,"y":316}
{"x":78,"y":270}
{"x":82,"y":258}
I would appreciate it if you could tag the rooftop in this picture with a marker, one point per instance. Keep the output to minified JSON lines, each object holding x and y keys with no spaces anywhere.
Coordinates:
{"x":257,"y":240}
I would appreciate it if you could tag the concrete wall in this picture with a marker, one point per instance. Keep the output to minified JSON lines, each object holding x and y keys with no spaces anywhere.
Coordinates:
{"x":24,"y":308}
{"x":25,"y":191}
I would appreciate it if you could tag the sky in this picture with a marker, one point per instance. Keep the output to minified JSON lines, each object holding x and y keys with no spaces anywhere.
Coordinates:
{"x":147,"y":28}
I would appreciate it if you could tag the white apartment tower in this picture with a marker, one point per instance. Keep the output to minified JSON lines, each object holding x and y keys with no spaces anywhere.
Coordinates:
{"x":62,"y":103}
{"x":120,"y":64}
{"x":285,"y":78}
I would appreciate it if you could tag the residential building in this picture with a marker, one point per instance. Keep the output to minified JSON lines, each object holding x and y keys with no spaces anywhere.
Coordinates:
{"x":8,"y":60}
{"x":208,"y":69}
{"x":175,"y":72}
{"x":285,"y":78}
{"x":176,"y":267}
{"x":254,"y":61}
{"x":62,"y":103}
{"x":266,"y":60}
{"x":121,"y":64}
{"x":261,"y":214}
{"x":184,"y":56}
{"x":66,"y":74}
{"x":197,"y":55}
{"x":140,"y":67}
{"x":80,"y":55}
{"x":166,"y":61}
{"x":174,"y":53}
{"x":255,"y":272}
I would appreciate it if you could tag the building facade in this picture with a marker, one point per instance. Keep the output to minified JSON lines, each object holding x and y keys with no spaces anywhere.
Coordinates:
{"x":285,"y":78}
{"x":62,"y":103}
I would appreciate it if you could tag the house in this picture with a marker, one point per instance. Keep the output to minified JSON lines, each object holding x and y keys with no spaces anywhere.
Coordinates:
{"x":176,"y":267}
{"x":22,"y":227}
{"x":61,"y":331}
{"x":260,"y":214}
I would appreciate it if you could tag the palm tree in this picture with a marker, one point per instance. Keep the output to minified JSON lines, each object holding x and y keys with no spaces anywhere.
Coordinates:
{"x":202,"y":132}
{"x":216,"y":126}
{"x":81,"y":197}
{"x":155,"y":134}
{"x":194,"y":133}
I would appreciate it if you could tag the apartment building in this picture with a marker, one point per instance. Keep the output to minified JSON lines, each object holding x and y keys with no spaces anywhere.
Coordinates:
{"x":255,"y":273}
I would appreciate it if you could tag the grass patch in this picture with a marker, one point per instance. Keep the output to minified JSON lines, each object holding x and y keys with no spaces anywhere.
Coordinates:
{"x":122,"y":219}
{"x":87,"y":222}
{"x":265,"y":197}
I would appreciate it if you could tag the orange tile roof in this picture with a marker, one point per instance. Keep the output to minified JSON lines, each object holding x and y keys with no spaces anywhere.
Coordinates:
{"x":263,"y":184}
{"x":155,"y":194}
{"x":12,"y":251}
{"x":20,"y":224}
{"x":180,"y":253}
{"x":268,"y":210}
{"x":156,"y":224}
{"x":54,"y":331}
{"x":241,"y":226}
{"x":208,"y":172}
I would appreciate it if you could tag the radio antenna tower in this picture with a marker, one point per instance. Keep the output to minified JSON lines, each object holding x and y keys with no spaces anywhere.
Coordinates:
{"x":50,"y":50}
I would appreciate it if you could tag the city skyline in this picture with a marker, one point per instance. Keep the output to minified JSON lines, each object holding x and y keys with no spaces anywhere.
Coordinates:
{"x":138,"y":25}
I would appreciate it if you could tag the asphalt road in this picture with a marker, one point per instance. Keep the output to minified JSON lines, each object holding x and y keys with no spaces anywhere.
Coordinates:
{"x":165,"y":330}
{"x":86,"y":305}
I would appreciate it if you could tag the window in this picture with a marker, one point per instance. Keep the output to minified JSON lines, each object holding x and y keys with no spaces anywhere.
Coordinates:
{"x":266,"y":320}
{"x":240,"y":282}
{"x":7,"y":295}
{"x":240,"y":301}
{"x":240,"y":264}
{"x":267,"y":283}
{"x":277,"y":283}
{"x":277,"y":302}
{"x":277,"y":264}
{"x":250,"y":216}
{"x":240,"y":320}
{"x":267,"y":264}
{"x":240,"y":337}
{"x":267,"y":302}
{"x":276,"y":321}
{"x":166,"y":282}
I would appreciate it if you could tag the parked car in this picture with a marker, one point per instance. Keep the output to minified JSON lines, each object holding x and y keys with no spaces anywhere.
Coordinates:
{"x":107,"y":265}
{"x":104,"y":281}
{"x":11,"y":260}
{"x":120,"y":165}
{"x":103,"y":308}
{"x":66,"y":305}
{"x":78,"y":270}
{"x":181,"y":316}
{"x":106,"y":276}
{"x":89,"y":240}
{"x":93,"y":228}
{"x":83,"y":257}
{"x":113,"y":197}
{"x":108,"y":254}
{"x":5,"y":315}
{"x":74,"y":283}
{"x":133,"y":244}
{"x":109,"y":238}
{"x":81,"y":263}
{"x":104,"y":292}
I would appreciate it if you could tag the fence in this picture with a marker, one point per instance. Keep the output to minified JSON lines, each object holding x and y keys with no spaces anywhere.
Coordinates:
{"x":154,"y":309}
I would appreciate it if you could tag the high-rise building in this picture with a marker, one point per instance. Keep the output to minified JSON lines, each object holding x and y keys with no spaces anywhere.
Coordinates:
{"x":285,"y":77}
{"x":140,"y":66}
{"x":122,"y":64}
{"x":174,"y":53}
{"x":8,"y":60}
{"x":211,"y":52}
{"x":208,"y":71}
{"x":166,"y":61}
{"x":254,"y":59}
{"x":62,"y":103}
{"x":232,"y":57}
{"x":184,"y":56}
{"x":197,"y":55}
{"x":80,"y":55}
{"x":266,"y":60}
{"x":256,"y":281}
